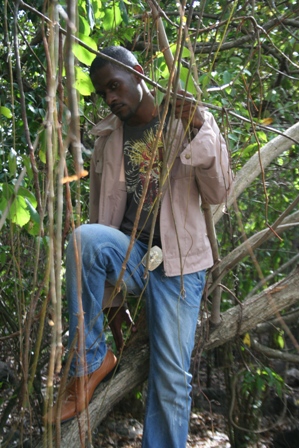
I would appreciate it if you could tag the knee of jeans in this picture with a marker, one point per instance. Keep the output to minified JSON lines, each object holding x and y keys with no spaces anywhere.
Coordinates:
{"x":80,"y":234}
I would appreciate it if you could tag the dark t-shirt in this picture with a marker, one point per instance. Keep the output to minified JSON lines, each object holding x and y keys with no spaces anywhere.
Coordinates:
{"x":138,"y":144}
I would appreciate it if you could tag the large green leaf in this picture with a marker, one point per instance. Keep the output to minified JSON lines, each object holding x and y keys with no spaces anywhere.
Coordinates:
{"x":26,"y":194}
{"x":83,"y":82}
{"x":22,"y":207}
{"x":18,"y":212}
{"x":84,"y":28}
{"x":82,"y":54}
{"x":5,"y":111}
{"x":112,"y":17}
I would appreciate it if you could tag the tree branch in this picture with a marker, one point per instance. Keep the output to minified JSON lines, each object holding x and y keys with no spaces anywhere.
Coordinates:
{"x":272,"y":353}
{"x":252,"y":168}
{"x":133,"y":365}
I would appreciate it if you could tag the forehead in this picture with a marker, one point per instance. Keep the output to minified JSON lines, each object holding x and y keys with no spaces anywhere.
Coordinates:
{"x":102,"y":77}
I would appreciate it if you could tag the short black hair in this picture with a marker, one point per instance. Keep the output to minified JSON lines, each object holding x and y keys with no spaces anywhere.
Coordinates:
{"x":120,"y":54}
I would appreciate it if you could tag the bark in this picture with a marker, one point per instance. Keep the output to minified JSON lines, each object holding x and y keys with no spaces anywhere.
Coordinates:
{"x":134,"y":363}
{"x":246,"y":248}
{"x":258,"y":162}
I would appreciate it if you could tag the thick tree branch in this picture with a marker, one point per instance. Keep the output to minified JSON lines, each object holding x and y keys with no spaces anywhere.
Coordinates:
{"x":133,"y":367}
{"x":252,"y":169}
{"x":242,"y":251}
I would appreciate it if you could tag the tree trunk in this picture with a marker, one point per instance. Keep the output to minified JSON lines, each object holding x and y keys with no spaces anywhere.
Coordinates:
{"x":134,"y":363}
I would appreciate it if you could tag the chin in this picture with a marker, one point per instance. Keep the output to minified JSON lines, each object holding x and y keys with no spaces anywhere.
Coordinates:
{"x":123,"y":116}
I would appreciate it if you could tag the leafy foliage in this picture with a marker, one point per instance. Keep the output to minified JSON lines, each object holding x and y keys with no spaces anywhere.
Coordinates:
{"x":244,"y":57}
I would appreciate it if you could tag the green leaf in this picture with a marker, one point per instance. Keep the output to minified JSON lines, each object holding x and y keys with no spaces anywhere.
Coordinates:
{"x":33,"y":226}
{"x":97,"y":9}
{"x":12,"y":162}
{"x":262,"y":136}
{"x":43,"y":146}
{"x":7,"y":191}
{"x":204,"y":81}
{"x":19,"y":213}
{"x":159,"y":69}
{"x":280,"y":341}
{"x":27,"y":163}
{"x":185,"y":52}
{"x":227,"y":76}
{"x":82,"y":54}
{"x":26,"y":194}
{"x":83,"y":82}
{"x":33,"y":213}
{"x":124,"y":13}
{"x":2,"y":261}
{"x":22,"y":207}
{"x":250,"y":149}
{"x":235,"y":59}
{"x":84,"y":28}
{"x":3,"y":204}
{"x":187,"y":81}
{"x":112,"y":17}
{"x":5,"y":111}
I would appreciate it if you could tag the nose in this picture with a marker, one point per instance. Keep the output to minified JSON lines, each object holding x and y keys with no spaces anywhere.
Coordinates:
{"x":110,"y":98}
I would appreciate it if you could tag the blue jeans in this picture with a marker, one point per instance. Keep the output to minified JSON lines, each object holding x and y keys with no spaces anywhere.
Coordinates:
{"x":172,"y":308}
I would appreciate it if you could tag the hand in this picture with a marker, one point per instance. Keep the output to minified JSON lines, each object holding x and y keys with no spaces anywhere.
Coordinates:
{"x":116,"y":316}
{"x":188,"y":111}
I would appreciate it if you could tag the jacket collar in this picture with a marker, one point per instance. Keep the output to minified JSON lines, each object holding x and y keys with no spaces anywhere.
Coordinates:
{"x":107,"y":126}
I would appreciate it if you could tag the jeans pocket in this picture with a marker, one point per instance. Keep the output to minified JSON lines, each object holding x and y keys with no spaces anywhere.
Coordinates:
{"x":193,"y":288}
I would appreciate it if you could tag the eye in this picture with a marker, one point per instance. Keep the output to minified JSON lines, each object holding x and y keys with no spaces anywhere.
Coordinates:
{"x":114,"y":85}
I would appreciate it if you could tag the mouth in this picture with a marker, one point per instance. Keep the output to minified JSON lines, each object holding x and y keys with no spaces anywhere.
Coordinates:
{"x":116,"y":108}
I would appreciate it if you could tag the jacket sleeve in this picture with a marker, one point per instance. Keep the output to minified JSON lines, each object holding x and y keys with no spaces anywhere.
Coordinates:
{"x":208,"y":154}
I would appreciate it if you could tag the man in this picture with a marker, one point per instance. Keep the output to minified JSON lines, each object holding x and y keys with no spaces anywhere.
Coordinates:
{"x":142,"y":167}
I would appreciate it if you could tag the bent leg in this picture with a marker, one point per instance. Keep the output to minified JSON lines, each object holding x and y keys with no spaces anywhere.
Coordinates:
{"x":97,"y":252}
{"x":172,"y":313}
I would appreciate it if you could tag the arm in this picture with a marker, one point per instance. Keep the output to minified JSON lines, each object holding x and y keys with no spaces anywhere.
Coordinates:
{"x":207,"y":153}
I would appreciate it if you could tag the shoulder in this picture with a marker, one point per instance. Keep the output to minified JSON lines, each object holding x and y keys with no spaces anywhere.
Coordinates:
{"x":106,"y":126}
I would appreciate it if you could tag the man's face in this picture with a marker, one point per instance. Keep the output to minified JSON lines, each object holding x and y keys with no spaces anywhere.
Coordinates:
{"x":121,"y":91}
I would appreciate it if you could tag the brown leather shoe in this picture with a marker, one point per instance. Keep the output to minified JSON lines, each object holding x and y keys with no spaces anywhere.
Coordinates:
{"x":79,"y":391}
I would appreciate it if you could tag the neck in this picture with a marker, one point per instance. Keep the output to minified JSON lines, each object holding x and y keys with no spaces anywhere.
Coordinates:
{"x":146,"y":111}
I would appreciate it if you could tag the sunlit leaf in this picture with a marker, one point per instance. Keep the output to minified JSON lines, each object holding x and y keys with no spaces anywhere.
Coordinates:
{"x":267,"y":121}
{"x":280,"y":341}
{"x":112,"y":17}
{"x":247,"y":340}
{"x":185,"y":52}
{"x":82,"y":54}
{"x":84,"y":28}
{"x":97,"y":9}
{"x":18,"y":212}
{"x":27,"y":195}
{"x":83,"y":82}
{"x":5,"y":111}
{"x":187,"y":81}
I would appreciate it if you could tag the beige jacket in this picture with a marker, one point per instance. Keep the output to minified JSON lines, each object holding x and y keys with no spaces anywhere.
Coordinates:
{"x":199,"y":166}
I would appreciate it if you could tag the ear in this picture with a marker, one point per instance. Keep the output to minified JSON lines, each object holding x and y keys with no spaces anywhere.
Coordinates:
{"x":139,"y":69}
